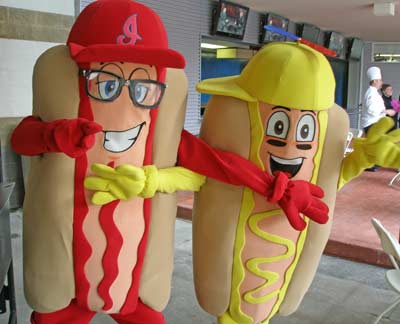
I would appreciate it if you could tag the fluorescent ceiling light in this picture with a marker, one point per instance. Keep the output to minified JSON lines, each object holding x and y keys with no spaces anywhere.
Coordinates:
{"x":384,"y":8}
{"x":387,"y":55}
{"x":211,"y":46}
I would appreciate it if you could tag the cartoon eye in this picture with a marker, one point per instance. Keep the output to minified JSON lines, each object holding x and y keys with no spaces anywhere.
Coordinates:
{"x":141,"y":92}
{"x":278,"y":125}
{"x":108,"y":88}
{"x":305,"y":129}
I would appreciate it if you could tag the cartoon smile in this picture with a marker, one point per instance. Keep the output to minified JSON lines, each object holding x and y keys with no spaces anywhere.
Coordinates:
{"x":291,"y":166}
{"x":121,"y":141}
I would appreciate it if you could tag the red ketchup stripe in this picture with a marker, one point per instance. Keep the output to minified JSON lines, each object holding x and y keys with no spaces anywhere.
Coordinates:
{"x":110,"y":257}
{"x":81,"y":247}
{"x":133,"y":294}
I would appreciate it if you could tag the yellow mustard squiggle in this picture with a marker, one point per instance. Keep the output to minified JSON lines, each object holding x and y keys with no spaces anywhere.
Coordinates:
{"x":253,"y":265}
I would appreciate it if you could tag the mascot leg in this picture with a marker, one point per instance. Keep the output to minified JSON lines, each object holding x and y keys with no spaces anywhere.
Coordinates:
{"x":142,"y":315}
{"x":227,"y":319}
{"x":73,"y":314}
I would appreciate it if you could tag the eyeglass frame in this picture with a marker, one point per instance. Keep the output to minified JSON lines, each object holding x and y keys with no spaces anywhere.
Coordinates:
{"x":85,"y":73}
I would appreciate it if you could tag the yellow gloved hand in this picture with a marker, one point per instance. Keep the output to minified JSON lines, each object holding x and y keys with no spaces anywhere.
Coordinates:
{"x":127,"y":181}
{"x":178,"y":178}
{"x":378,"y":148}
{"x":123,"y":182}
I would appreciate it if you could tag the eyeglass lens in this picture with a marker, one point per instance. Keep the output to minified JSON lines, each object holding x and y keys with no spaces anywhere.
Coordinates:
{"x":107,"y":87}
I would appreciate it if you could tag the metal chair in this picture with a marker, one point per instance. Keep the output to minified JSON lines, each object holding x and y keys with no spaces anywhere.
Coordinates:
{"x":392,"y":247}
{"x":397,"y":176}
{"x":353,"y":133}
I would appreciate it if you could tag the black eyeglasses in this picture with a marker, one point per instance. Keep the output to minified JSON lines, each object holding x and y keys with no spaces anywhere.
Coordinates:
{"x":107,"y":86}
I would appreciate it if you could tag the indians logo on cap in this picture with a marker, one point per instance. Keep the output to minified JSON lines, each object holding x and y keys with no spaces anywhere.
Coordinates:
{"x":130,"y":33}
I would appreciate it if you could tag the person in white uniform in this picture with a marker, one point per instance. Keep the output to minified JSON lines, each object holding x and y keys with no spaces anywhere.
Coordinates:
{"x":374,"y":107}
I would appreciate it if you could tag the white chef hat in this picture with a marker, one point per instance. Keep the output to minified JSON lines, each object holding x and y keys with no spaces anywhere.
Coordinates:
{"x":374,"y":73}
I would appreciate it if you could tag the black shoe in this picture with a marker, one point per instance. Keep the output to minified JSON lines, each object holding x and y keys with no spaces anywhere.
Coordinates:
{"x":373,"y":169}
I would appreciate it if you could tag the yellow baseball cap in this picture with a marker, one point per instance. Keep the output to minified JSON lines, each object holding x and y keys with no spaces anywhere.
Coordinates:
{"x":285,"y":74}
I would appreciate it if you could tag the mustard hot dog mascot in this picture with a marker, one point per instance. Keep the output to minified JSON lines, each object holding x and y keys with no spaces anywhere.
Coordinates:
{"x":251,"y":258}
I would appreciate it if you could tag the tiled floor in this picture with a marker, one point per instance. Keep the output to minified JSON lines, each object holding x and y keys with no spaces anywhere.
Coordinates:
{"x":353,"y":236}
{"x":343,"y":292}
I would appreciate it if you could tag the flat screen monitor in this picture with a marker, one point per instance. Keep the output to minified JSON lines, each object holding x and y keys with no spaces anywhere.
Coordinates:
{"x":335,"y":42}
{"x":230,"y":20}
{"x":309,"y":32}
{"x":356,"y":48}
{"x":277,"y":21}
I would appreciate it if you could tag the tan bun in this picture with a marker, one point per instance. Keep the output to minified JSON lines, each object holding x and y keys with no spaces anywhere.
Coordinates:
{"x":48,"y":207}
{"x":155,"y":283}
{"x":318,"y":235}
{"x":226,"y":125}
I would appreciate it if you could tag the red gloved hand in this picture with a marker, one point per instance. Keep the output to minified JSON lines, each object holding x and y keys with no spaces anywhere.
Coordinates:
{"x":297,"y":197}
{"x":71,"y":136}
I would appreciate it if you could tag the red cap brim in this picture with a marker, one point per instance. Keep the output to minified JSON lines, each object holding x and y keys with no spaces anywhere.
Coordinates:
{"x":162,"y":57}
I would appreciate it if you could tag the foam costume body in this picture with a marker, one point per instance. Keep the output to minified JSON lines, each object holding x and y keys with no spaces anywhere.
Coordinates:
{"x":250,"y":262}
{"x":92,"y":243}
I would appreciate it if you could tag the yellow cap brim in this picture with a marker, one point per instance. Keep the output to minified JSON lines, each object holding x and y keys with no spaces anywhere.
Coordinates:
{"x":226,"y":86}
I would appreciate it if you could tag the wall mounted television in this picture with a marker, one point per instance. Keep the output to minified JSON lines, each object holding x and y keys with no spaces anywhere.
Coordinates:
{"x":274,"y":20}
{"x":308,"y":32}
{"x":356,"y":49}
{"x":335,"y":41}
{"x":230,"y":20}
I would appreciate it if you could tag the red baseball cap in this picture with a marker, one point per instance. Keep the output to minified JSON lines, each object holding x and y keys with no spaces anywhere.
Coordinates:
{"x":121,"y":30}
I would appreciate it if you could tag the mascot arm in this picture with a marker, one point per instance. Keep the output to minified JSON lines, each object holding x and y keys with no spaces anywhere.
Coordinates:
{"x":127,"y":181}
{"x":294,"y":197}
{"x":378,"y":148}
{"x":198,"y":156}
{"x":70,"y":136}
{"x":352,"y":165}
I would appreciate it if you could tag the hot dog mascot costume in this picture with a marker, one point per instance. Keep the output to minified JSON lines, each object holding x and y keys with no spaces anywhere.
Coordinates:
{"x":252,"y":258}
{"x":105,"y":136}
{"x":103,"y":126}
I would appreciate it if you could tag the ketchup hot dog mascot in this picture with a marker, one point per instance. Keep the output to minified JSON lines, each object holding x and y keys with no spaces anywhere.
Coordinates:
{"x":103,"y":248}
{"x":251,"y":258}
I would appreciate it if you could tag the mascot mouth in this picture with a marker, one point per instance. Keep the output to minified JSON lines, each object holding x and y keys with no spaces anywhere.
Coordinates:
{"x":290,"y":166}
{"x":121,"y":141}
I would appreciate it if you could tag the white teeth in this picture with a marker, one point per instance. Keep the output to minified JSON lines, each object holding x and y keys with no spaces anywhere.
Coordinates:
{"x":120,"y":141}
{"x":297,"y":161}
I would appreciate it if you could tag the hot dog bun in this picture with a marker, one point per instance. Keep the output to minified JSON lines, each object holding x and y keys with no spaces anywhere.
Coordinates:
{"x":226,"y":125}
{"x":48,"y":206}
{"x":155,"y":284}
